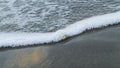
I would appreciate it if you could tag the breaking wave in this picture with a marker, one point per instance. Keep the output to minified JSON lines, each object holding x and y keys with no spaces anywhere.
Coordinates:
{"x":23,"y":39}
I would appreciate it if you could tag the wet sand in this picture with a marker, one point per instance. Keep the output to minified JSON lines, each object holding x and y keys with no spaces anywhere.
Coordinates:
{"x":98,"y":48}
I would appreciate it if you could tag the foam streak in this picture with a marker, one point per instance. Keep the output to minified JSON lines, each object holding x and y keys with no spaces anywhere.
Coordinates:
{"x":22,"y":39}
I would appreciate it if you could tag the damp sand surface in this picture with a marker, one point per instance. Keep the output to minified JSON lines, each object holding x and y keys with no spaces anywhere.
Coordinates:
{"x":99,"y":48}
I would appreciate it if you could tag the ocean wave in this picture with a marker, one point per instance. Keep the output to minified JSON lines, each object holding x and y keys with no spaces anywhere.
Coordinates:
{"x":23,"y":39}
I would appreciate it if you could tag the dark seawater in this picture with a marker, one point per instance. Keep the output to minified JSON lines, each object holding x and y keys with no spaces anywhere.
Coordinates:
{"x":98,"y":48}
{"x":49,"y":15}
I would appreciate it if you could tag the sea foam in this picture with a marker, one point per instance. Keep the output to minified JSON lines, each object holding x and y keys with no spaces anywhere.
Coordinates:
{"x":23,"y":39}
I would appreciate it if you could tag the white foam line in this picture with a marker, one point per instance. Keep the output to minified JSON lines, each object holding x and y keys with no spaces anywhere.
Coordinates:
{"x":22,"y":39}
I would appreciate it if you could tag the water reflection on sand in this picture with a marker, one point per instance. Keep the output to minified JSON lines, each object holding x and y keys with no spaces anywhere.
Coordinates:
{"x":24,"y":58}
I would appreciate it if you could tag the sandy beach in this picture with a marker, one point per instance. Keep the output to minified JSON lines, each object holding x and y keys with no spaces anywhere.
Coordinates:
{"x":98,"y":48}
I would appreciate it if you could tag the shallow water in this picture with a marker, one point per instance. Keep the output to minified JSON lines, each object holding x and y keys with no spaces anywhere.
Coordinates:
{"x":94,"y":49}
{"x":49,"y":15}
{"x":98,"y":48}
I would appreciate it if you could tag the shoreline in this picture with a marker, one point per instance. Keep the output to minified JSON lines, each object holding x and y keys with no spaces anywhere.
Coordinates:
{"x":92,"y":49}
{"x":19,"y":39}
{"x":62,"y":41}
